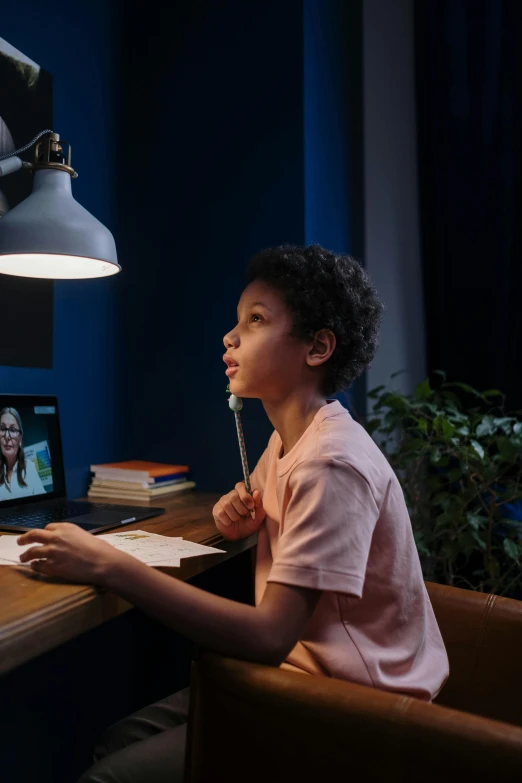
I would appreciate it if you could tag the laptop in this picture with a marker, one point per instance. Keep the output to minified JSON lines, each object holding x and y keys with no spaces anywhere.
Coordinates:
{"x":32,"y":478}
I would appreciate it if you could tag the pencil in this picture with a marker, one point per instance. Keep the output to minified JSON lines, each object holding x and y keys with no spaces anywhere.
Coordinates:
{"x":235,"y":404}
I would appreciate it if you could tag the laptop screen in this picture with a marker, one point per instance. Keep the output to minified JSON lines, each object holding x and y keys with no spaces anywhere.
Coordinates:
{"x":31,"y":466}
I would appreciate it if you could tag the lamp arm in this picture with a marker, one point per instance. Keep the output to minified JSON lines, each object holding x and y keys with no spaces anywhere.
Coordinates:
{"x":27,"y":146}
{"x":10,"y":162}
{"x":10,"y":165}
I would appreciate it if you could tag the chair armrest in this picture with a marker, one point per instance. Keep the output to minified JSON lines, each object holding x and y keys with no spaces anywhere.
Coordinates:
{"x":483,"y":638}
{"x":260,"y":723}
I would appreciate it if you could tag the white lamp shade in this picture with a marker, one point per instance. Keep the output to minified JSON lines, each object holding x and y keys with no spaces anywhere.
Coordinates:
{"x":50,"y":235}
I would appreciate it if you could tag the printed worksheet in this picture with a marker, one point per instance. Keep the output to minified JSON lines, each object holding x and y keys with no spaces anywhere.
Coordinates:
{"x":150,"y":548}
{"x":10,"y":551}
{"x":156,"y":548}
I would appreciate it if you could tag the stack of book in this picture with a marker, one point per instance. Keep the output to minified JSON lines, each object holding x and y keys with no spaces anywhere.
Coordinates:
{"x":138,"y":480}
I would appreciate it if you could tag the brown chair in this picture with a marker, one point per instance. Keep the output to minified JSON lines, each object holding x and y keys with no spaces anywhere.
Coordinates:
{"x":260,"y":724}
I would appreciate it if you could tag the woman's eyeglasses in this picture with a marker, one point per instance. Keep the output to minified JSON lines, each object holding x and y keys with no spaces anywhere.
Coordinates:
{"x":11,"y":431}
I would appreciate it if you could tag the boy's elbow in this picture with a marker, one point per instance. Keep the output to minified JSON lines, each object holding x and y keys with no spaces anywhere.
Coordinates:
{"x":276,"y":652}
{"x":266,"y":650}
{"x":274,"y":658}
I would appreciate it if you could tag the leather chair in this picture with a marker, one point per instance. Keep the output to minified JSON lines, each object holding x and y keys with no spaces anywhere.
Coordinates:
{"x":260,"y":724}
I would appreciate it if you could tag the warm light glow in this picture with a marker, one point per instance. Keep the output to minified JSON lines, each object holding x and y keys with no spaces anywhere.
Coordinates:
{"x":55,"y":267}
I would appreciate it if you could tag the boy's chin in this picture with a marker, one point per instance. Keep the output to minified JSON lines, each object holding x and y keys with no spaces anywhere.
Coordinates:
{"x":240,"y":390}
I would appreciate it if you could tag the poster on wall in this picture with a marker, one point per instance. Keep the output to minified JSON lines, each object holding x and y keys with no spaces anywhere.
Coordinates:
{"x":26,"y":305}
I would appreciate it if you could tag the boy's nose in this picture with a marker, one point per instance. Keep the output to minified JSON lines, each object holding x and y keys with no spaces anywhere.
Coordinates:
{"x":230,"y":340}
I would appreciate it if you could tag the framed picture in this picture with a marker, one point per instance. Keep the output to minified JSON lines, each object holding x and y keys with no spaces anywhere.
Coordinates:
{"x":26,"y":108}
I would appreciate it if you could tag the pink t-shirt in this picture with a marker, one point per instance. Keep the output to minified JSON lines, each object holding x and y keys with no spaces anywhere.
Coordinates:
{"x":337,"y":522}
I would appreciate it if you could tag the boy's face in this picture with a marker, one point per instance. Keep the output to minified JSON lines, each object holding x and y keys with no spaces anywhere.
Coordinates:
{"x":265,"y":360}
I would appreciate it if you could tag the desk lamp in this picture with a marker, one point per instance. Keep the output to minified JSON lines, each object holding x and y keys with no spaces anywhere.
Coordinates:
{"x":50,"y":235}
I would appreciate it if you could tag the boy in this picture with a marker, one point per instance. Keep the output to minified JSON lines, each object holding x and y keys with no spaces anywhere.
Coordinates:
{"x":339,"y":588}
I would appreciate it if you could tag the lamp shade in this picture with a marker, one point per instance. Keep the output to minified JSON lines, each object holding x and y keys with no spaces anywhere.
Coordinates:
{"x":50,"y":235}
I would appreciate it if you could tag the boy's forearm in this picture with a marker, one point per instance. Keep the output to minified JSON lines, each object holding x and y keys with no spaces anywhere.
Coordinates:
{"x":228,"y":627}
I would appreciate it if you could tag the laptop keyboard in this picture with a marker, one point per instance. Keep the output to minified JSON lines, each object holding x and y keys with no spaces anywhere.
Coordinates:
{"x":43,"y":516}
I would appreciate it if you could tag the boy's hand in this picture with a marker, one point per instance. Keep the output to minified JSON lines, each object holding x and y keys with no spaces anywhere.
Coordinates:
{"x":69,"y":552}
{"x":232,"y":513}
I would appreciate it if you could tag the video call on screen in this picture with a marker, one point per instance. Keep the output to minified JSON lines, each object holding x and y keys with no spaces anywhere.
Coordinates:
{"x":28,"y":438}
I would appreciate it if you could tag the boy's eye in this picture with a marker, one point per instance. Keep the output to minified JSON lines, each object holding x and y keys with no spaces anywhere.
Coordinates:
{"x":254,"y":318}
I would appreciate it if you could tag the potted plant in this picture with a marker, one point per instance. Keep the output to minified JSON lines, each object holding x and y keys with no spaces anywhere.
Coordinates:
{"x":458,"y":456}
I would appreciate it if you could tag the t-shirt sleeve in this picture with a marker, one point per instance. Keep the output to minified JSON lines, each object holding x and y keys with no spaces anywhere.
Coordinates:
{"x":327,"y":528}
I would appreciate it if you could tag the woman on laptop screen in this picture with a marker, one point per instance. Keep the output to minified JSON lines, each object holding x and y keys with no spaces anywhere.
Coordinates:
{"x":18,"y":476}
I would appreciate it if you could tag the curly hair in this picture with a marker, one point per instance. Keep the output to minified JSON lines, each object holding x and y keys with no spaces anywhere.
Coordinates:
{"x":323,"y":290}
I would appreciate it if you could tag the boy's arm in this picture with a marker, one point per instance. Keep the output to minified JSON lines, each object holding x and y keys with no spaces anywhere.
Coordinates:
{"x":265,"y":634}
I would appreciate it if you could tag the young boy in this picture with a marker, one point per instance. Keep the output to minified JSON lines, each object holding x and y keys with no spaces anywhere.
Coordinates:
{"x":339,"y":587}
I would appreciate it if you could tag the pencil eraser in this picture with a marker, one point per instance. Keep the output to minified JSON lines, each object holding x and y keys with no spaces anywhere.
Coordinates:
{"x":235,"y":403}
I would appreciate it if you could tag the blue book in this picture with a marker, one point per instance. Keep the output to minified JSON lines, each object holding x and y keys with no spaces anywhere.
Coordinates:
{"x":173,"y":477}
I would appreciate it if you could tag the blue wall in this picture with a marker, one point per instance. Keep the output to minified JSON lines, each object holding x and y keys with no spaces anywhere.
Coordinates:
{"x":78,"y":46}
{"x":240,"y":141}
{"x":228,"y":127}
{"x":333,"y":135}
{"x":217,"y":151}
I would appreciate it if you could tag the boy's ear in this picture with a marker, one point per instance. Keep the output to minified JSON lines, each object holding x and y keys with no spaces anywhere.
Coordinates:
{"x":322,"y":347}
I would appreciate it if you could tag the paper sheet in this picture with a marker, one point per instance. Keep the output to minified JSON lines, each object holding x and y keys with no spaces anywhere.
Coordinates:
{"x":10,"y":551}
{"x":150,"y":548}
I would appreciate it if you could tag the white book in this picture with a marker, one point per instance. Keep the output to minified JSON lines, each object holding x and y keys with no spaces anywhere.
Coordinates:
{"x":138,"y":494}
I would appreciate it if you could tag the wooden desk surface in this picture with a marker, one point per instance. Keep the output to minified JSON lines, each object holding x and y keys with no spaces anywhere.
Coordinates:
{"x":38,"y":614}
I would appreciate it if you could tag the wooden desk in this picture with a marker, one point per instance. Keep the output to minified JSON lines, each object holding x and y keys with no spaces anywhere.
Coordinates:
{"x":38,"y":614}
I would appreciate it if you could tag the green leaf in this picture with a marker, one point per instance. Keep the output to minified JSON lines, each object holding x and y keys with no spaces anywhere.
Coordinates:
{"x":391,"y":420}
{"x":435,"y":456}
{"x":464,"y":431}
{"x":443,"y":427}
{"x":505,"y":423}
{"x":486,"y":427}
{"x":373,"y":425}
{"x":506,"y":449}
{"x":516,"y":442}
{"x":414,"y":444}
{"x":511,"y":549}
{"x":440,"y":372}
{"x":455,"y":474}
{"x":467,"y":542}
{"x":517,"y":428}
{"x":476,"y":520}
{"x":423,"y":390}
{"x":395,"y":401}
{"x":444,"y":499}
{"x":395,"y":374}
{"x":492,"y":393}
{"x":422,"y":424}
{"x":478,"y":448}
{"x":482,"y":544}
{"x":424,"y":405}
{"x":458,"y":385}
{"x":374,"y":393}
{"x":452,"y":401}
{"x":465,"y":387}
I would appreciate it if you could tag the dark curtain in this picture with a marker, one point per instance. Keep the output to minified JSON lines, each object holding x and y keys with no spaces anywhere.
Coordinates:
{"x":469,"y":103}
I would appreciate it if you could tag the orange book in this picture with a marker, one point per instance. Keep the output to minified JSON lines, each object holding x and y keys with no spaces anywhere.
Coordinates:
{"x":138,"y":470}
